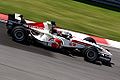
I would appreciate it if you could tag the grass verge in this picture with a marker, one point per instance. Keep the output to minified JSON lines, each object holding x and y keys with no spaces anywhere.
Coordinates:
{"x":68,"y":14}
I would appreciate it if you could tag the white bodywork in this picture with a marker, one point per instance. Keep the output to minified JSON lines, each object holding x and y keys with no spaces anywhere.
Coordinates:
{"x":45,"y":35}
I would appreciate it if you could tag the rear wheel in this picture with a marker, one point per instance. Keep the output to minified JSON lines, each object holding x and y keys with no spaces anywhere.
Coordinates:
{"x":19,"y":34}
{"x":90,"y":54}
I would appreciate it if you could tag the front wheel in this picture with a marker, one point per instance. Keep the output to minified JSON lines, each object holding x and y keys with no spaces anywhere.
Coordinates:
{"x":19,"y":34}
{"x":90,"y":54}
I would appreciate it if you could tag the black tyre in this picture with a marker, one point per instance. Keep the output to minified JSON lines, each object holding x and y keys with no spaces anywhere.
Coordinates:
{"x":19,"y":34}
{"x":90,"y":54}
{"x":90,"y":40}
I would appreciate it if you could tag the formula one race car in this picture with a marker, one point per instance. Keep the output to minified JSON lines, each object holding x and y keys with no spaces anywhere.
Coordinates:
{"x":48,"y":34}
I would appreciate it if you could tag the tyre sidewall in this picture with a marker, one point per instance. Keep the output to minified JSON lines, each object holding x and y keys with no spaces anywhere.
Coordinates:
{"x":91,"y":54}
{"x":19,"y":30}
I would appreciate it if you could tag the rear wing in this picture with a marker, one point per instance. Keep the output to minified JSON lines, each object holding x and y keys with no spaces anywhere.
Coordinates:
{"x":14,"y":17}
{"x":15,"y":20}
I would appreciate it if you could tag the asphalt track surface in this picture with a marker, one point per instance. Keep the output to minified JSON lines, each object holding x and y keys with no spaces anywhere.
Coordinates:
{"x":29,"y":62}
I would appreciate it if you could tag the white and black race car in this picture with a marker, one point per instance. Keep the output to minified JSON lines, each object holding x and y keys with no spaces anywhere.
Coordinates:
{"x":48,"y":34}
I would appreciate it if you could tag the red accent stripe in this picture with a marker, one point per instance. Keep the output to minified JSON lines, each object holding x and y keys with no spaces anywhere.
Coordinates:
{"x":99,"y":40}
{"x":3,"y":17}
{"x":38,"y":25}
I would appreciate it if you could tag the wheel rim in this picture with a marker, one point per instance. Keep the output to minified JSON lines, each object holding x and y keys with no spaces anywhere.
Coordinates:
{"x":19,"y":35}
{"x":91,"y":55}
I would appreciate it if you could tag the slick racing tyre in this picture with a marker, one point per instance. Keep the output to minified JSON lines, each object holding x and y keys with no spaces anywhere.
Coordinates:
{"x":19,"y":34}
{"x":90,"y":54}
{"x":90,"y":40}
